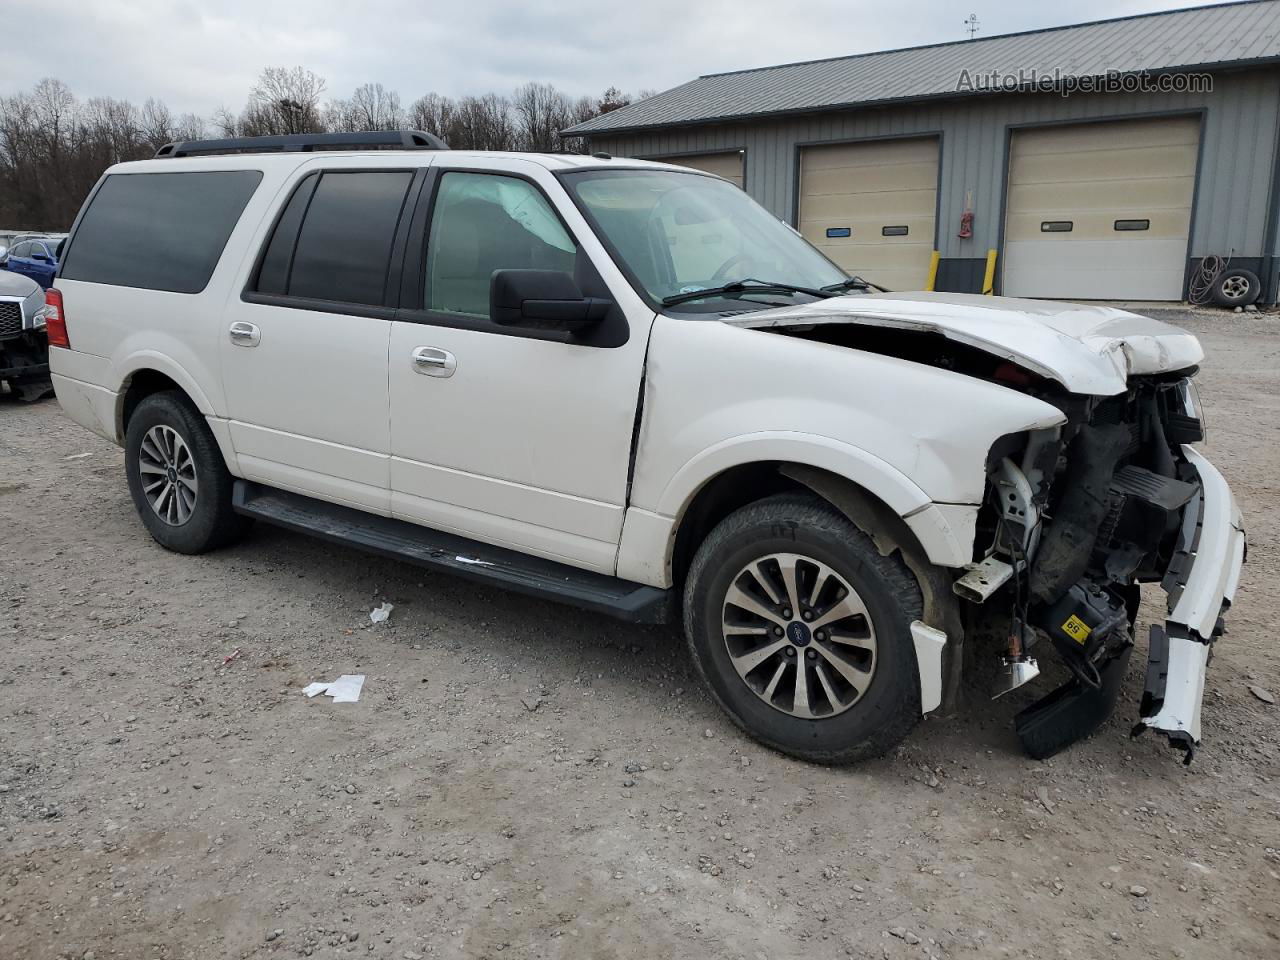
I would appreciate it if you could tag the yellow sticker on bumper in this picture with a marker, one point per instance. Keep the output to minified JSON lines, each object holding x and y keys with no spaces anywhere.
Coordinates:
{"x":1077,"y":629}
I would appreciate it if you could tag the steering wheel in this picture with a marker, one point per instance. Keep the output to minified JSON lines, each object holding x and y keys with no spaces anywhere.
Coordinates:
{"x":722,"y":271}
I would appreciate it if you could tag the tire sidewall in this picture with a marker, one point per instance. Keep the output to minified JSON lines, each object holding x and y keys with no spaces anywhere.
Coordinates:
{"x":895,"y":682}
{"x":1250,"y":296}
{"x":164,"y":410}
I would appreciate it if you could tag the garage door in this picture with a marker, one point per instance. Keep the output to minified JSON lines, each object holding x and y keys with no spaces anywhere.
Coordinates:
{"x":870,"y":207}
{"x":1100,"y":211}
{"x":727,"y":165}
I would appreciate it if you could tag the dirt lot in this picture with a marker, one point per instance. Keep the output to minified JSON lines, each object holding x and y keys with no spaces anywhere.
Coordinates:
{"x":521,"y":779}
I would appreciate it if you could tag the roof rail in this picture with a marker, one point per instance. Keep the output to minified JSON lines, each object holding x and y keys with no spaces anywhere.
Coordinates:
{"x":306,"y":143}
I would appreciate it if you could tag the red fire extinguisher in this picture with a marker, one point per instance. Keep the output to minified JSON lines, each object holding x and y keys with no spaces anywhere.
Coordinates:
{"x":966,"y":218}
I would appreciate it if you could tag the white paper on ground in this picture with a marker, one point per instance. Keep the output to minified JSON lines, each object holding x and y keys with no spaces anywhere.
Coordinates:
{"x":378,"y":614}
{"x":346,"y":689}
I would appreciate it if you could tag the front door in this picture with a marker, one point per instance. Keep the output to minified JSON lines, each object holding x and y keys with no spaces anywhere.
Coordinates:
{"x":304,"y":349}
{"x":518,"y":437}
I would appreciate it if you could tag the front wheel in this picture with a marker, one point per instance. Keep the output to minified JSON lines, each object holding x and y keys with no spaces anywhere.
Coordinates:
{"x":802,"y":630}
{"x":180,"y":484}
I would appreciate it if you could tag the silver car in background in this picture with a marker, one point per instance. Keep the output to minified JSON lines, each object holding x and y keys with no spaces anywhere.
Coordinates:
{"x":24,"y":349}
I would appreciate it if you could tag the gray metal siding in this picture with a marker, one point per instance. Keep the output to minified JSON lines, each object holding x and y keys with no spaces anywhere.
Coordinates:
{"x":1237,"y":153}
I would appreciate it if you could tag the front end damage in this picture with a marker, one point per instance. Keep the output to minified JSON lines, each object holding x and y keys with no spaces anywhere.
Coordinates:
{"x":1077,"y":518}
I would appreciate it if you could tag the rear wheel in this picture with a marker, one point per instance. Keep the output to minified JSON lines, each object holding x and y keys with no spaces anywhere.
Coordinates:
{"x":802,"y":630}
{"x":179,"y":482}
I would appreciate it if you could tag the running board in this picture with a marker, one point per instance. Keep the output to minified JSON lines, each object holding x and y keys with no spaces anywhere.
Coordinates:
{"x":449,"y":553}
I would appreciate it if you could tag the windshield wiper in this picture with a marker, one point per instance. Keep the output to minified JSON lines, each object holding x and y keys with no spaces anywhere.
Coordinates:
{"x":853,"y":283}
{"x":746,"y":285}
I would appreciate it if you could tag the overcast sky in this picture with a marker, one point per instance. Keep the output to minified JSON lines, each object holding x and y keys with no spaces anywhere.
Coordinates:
{"x":197,"y":55}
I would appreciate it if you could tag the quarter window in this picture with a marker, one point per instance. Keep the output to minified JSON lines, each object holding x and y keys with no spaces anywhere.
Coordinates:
{"x":158,"y":231}
{"x":485,"y":222}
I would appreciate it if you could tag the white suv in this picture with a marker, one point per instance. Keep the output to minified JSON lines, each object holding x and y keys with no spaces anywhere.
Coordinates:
{"x":626,"y":386}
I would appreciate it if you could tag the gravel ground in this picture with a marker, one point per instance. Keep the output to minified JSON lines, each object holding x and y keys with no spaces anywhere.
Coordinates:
{"x":522,"y":779}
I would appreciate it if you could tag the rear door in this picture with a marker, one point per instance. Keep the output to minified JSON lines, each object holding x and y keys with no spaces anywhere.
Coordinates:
{"x":304,"y":347}
{"x":519,"y":437}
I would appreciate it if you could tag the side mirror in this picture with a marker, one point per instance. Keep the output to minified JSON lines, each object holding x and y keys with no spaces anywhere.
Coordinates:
{"x":40,"y":256}
{"x":528,"y":297}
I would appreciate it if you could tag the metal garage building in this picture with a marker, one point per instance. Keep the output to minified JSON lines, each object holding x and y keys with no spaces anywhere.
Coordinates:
{"x":1100,"y":161}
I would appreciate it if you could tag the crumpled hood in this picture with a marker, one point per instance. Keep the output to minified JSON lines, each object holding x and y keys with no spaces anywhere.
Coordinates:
{"x":1088,"y":349}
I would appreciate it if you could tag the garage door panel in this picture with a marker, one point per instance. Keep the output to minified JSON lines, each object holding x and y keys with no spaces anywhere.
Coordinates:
{"x":886,"y":207}
{"x":871,"y":230}
{"x":1130,"y":196}
{"x":1126,"y":164}
{"x":1092,"y":175}
{"x":727,"y":165}
{"x":871,"y":152}
{"x":865,"y":187}
{"x":880,"y":178}
{"x":1100,"y":225}
{"x":1096,"y":136}
{"x":1100,"y":270}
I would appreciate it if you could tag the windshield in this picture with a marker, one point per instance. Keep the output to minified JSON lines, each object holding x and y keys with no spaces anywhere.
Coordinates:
{"x":677,"y":233}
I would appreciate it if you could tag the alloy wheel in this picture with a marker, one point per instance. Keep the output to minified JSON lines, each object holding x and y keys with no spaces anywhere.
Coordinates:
{"x":168,"y":475}
{"x":799,"y":635}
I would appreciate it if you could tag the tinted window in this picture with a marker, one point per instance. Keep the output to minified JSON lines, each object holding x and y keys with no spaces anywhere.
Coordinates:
{"x":160,"y":231}
{"x":344,"y":247}
{"x":482,"y":223}
{"x":273,"y":275}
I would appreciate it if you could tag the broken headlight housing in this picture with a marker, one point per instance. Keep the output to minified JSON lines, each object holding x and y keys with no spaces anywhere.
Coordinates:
{"x":1183,"y":413}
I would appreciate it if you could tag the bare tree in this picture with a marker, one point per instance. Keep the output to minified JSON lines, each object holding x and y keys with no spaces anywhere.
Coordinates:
{"x":371,"y":107}
{"x":53,"y":148}
{"x":483,"y":123}
{"x":157,"y":123}
{"x":286,"y":100}
{"x":433,"y":113}
{"x":542,"y":112}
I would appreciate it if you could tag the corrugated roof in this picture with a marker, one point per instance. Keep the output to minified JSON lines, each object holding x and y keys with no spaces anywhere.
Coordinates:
{"x":1201,"y":37}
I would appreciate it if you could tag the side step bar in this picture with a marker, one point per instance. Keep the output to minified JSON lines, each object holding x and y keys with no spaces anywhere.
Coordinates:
{"x":449,"y":553}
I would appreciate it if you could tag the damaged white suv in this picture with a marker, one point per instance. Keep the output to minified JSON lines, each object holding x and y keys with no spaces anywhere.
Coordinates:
{"x":626,"y":386}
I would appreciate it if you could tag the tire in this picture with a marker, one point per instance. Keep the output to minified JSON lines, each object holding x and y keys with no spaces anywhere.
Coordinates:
{"x":197,"y":512}
{"x":1236,"y":287}
{"x":810,"y":536}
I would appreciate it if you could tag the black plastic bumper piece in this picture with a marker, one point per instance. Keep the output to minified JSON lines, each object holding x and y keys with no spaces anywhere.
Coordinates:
{"x":1072,"y":712}
{"x":448,"y":553}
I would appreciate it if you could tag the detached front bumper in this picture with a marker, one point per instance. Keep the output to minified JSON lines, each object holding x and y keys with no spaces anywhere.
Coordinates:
{"x":1201,"y":583}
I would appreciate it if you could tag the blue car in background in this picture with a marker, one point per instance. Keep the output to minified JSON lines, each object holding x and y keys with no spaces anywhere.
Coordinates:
{"x":35,"y":257}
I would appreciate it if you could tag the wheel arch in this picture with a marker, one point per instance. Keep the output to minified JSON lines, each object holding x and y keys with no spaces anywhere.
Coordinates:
{"x":149,"y":372}
{"x":740,"y":485}
{"x":154,"y":373}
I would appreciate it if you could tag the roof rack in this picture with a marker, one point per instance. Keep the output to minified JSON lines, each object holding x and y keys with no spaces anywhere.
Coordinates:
{"x":306,"y":143}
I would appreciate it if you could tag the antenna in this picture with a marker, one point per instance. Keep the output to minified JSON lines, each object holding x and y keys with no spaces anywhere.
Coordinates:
{"x":972,"y":25}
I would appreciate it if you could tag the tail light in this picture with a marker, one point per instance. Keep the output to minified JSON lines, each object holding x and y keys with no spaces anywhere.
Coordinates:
{"x":55,"y":324}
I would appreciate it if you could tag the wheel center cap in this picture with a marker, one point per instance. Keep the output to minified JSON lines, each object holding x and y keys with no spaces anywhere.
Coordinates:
{"x":172,"y":474}
{"x":798,"y":633}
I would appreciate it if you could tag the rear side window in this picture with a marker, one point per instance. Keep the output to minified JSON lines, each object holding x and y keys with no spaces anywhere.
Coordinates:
{"x":158,"y":231}
{"x":334,"y":237}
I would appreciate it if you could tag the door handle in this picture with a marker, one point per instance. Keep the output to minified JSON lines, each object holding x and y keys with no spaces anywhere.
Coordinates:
{"x":434,"y":362}
{"x":245,"y":334}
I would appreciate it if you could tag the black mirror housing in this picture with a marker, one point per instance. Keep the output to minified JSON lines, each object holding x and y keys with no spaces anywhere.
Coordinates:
{"x":520,"y":297}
